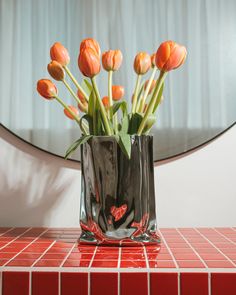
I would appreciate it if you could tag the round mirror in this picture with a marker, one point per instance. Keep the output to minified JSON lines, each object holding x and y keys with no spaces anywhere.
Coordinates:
{"x":199,"y":98}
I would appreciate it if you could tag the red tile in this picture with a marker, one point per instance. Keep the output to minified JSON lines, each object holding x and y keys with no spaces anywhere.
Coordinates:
{"x":223,"y":283}
{"x":209,"y":256}
{"x":104,"y":283}
{"x":133,"y":263}
{"x":161,"y":264}
{"x":45,"y":283}
{"x":3,"y":261}
{"x":48,"y":263}
{"x":194,"y":283}
{"x":104,"y":263}
{"x":133,"y":283}
{"x":6,"y":255}
{"x":182,"y":250}
{"x":58,"y":256}
{"x":219,"y":264}
{"x":190,"y":264}
{"x":28,"y":256}
{"x":106,"y":256}
{"x":183,"y":256}
{"x":15,"y":283}
{"x":21,"y":262}
{"x":80,"y":256}
{"x":76,"y":263}
{"x":163,"y":283}
{"x":132,"y":256}
{"x":159,"y":256}
{"x":74,"y":283}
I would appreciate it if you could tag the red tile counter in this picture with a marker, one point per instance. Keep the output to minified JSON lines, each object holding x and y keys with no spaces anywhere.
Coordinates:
{"x":47,"y":261}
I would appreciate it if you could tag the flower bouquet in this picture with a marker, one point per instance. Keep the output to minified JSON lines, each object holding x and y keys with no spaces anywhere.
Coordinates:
{"x":117,"y":199}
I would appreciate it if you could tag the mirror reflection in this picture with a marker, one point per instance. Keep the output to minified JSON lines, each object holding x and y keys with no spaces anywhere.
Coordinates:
{"x":199,"y":99}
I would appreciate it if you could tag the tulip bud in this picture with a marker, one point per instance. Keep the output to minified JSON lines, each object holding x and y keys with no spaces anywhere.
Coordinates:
{"x":46,"y":88}
{"x":153,"y":60}
{"x":73,"y":109}
{"x":117,"y":92}
{"x":56,"y":70}
{"x":81,"y":96}
{"x":111,"y":60}
{"x":83,"y":109}
{"x":91,"y":43}
{"x":60,"y":54}
{"x":170,"y":56}
{"x":105,"y":101}
{"x":152,"y":86}
{"x":142,"y":63}
{"x":89,"y":63}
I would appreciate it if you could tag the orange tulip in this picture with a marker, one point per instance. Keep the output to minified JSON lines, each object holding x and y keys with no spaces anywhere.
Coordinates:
{"x":152,"y":86}
{"x":170,"y":56}
{"x":142,"y":63}
{"x":91,"y":43}
{"x":111,"y":60}
{"x":81,"y":96}
{"x":60,"y":54}
{"x":105,"y":101}
{"x":153,"y":60}
{"x":89,"y":63}
{"x":117,"y":92}
{"x":74,"y":110}
{"x":46,"y":88}
{"x":56,"y":70}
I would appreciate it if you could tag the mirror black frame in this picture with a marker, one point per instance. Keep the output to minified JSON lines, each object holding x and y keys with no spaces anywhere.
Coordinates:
{"x":156,"y":163}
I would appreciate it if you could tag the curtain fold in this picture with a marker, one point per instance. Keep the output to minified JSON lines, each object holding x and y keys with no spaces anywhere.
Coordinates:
{"x":200,"y":96}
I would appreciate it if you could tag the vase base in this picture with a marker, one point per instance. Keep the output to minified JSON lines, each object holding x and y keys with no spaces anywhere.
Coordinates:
{"x":146,"y":239}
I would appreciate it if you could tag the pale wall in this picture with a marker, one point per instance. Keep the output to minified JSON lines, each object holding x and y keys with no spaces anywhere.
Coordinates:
{"x":38,"y":189}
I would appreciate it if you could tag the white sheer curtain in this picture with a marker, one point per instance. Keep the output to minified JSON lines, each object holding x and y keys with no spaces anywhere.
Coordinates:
{"x":200,"y":95}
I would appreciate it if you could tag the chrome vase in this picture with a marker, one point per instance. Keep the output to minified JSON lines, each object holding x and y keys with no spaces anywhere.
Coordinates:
{"x":117,"y":205}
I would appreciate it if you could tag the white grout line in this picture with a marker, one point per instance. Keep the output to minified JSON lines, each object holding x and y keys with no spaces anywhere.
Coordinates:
{"x":209,"y":283}
{"x":195,"y":253}
{"x":202,"y":260}
{"x":148,"y":274}
{"x":6,"y":231}
{"x":19,"y":252}
{"x":173,"y":258}
{"x":224,"y":236}
{"x":118,"y":266}
{"x":215,"y":247}
{"x":168,"y":248}
{"x":44,"y":252}
{"x":114,"y":269}
{"x":7,"y":244}
{"x":67,"y":255}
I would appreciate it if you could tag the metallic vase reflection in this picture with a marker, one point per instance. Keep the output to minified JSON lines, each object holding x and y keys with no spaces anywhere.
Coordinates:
{"x":117,"y":204}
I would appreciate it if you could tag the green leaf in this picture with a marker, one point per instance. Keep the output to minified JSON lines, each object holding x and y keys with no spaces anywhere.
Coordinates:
{"x":150,"y":122}
{"x":124,"y":141}
{"x":122,"y":105}
{"x":135,"y":122}
{"x":89,"y":119}
{"x":76,"y":144}
{"x":91,"y":104}
{"x":158,"y":98}
{"x":125,"y":124}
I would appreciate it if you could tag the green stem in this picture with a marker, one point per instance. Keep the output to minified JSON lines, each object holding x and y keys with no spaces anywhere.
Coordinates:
{"x":103,"y":111}
{"x":77,"y":119}
{"x":142,"y":103}
{"x":152,"y":102}
{"x":110,"y":93}
{"x":76,"y":83}
{"x":83,"y":108}
{"x":136,"y":94}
